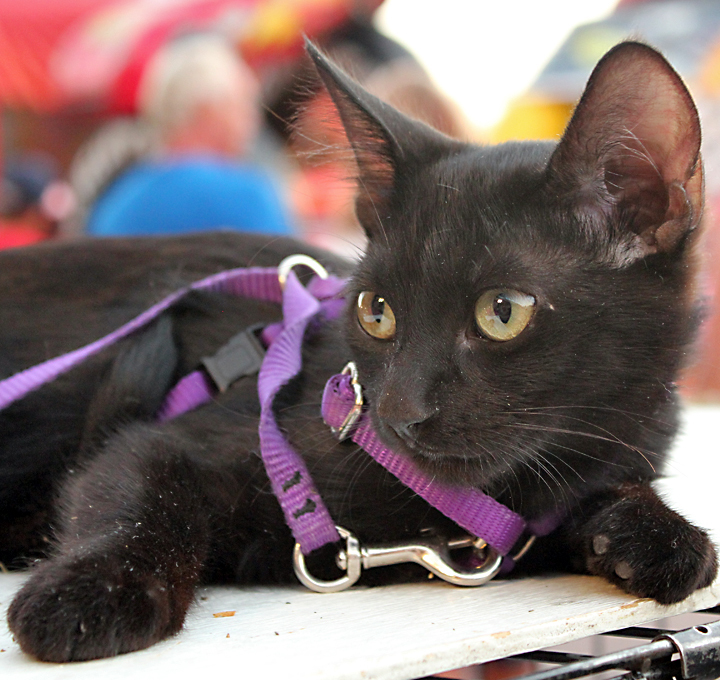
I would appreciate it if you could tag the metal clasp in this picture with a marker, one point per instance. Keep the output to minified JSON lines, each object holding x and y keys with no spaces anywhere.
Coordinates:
{"x":432,"y":552}
{"x":352,"y":567}
{"x":343,"y":432}
{"x":296,"y":260}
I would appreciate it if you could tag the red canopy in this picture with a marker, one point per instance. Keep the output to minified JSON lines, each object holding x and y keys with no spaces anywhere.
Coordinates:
{"x":29,"y":33}
{"x":55,"y":53}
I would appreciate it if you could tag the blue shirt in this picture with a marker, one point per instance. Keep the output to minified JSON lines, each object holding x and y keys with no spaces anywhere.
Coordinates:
{"x":189,"y":194}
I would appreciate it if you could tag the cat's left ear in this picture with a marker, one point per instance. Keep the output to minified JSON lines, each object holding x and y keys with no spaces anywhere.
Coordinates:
{"x":383,"y":140}
{"x":631,"y":153}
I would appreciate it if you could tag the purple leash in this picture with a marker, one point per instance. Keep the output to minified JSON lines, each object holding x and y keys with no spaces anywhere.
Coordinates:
{"x":255,"y":282}
{"x":304,"y":510}
{"x":305,"y":513}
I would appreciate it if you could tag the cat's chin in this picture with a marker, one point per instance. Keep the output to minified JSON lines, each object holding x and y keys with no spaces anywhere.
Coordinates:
{"x":454,"y":470}
{"x":450,"y":468}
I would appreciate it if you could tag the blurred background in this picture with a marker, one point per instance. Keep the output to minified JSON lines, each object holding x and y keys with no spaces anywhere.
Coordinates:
{"x":128,"y":117}
{"x":483,"y":54}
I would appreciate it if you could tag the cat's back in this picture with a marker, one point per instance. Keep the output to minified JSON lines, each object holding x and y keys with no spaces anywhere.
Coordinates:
{"x":91,"y":268}
{"x":57,"y":296}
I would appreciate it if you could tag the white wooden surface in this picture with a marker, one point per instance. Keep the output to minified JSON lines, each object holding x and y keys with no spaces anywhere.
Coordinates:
{"x":398,"y":632}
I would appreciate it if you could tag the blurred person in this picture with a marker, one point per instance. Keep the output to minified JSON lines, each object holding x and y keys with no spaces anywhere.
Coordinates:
{"x":32,"y":201}
{"x":180,"y":167}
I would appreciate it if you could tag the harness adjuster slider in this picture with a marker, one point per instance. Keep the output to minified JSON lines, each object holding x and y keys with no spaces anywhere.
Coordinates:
{"x":241,"y":356}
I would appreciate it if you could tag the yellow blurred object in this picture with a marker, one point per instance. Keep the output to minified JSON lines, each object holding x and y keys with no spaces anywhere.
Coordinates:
{"x":588,"y":46}
{"x":532,"y":117}
{"x":274,"y":23}
{"x":710,"y":72}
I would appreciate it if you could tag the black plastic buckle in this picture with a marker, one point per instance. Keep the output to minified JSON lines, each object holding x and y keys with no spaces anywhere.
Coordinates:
{"x":242,"y":355}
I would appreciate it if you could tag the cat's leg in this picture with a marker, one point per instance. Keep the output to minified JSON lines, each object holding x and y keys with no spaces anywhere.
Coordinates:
{"x":630,"y":537}
{"x":131,"y":546}
{"x":135,"y":385}
{"x":51,"y":430}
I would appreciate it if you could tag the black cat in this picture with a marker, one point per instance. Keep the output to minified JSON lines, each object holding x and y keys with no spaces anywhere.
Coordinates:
{"x":518,"y":323}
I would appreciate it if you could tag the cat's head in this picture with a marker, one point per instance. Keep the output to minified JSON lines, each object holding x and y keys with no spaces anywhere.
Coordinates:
{"x":522,"y":310}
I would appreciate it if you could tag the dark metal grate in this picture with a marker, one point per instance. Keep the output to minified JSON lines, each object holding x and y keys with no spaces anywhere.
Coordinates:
{"x":689,"y":654}
{"x":693,"y":653}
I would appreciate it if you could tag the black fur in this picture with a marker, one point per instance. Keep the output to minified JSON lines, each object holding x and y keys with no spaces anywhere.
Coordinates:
{"x":574,"y":415}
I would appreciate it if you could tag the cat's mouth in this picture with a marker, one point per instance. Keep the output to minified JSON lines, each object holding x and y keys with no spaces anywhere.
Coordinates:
{"x":452,"y":465}
{"x":429,"y":457}
{"x":402,"y":442}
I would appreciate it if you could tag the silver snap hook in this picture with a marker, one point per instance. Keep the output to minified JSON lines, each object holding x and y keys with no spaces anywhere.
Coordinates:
{"x":434,"y":553}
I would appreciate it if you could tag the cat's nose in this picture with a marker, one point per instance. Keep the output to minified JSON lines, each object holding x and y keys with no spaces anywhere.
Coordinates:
{"x":404,"y":416}
{"x":406,"y":431}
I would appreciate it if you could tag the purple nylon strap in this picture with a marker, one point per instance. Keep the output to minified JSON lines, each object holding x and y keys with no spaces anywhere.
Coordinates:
{"x":304,"y":510}
{"x":474,"y":511}
{"x":194,"y":390}
{"x":255,"y":282}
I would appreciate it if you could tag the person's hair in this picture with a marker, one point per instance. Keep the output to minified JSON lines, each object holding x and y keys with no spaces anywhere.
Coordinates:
{"x":186,"y":73}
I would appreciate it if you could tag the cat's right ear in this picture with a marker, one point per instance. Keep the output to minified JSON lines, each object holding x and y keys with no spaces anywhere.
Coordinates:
{"x":383,"y":140}
{"x":630,"y":157}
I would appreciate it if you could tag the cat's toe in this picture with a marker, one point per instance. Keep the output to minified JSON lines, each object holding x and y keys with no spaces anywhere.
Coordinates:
{"x":88,"y":610}
{"x":661,"y":556}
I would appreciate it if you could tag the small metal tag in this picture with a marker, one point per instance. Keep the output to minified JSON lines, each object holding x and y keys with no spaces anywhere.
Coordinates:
{"x":346,"y":428}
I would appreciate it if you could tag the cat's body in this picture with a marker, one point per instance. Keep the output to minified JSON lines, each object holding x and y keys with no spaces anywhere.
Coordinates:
{"x":586,"y":249}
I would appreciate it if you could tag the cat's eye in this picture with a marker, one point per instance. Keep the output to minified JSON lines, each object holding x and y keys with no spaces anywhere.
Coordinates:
{"x":375,"y":315}
{"x":502,"y":314}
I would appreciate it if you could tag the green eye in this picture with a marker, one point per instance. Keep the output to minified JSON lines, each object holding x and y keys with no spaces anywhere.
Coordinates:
{"x":375,"y":316}
{"x":503,"y":314}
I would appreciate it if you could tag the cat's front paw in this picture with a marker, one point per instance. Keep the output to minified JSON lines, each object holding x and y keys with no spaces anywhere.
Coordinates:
{"x":647,"y":549}
{"x":89,"y":609}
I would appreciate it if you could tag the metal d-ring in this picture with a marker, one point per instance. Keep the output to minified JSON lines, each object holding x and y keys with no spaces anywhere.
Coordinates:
{"x":352,"y":568}
{"x":523,"y":551}
{"x":296,"y":260}
{"x":343,"y":432}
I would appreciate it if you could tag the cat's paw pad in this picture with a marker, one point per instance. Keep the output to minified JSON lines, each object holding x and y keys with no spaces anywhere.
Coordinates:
{"x":601,"y":545}
{"x":89,"y":609}
{"x":657,"y":555}
{"x":624,"y":570}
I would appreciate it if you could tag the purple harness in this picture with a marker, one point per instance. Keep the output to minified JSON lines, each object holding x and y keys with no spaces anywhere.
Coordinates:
{"x":304,"y":510}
